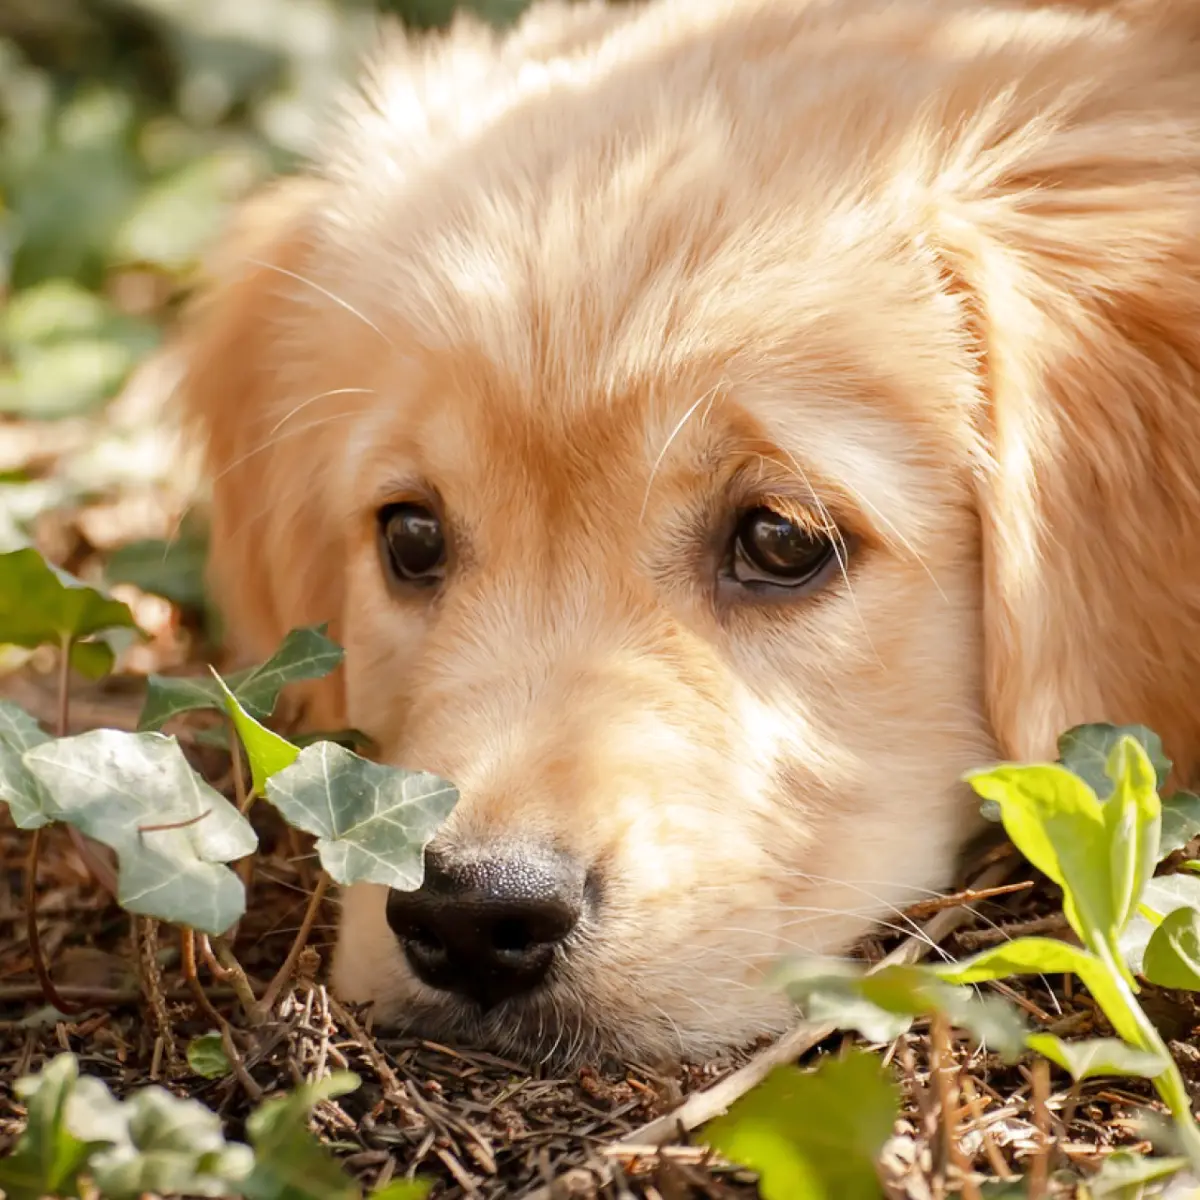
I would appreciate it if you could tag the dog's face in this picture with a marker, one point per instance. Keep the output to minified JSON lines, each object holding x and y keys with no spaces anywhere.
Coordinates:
{"x":641,"y":478}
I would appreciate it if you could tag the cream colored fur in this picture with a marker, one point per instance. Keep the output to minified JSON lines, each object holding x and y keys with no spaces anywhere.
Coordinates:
{"x":933,"y":266}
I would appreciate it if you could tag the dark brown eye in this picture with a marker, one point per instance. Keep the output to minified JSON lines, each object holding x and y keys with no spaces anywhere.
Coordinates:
{"x":414,"y":543}
{"x":771,"y":549}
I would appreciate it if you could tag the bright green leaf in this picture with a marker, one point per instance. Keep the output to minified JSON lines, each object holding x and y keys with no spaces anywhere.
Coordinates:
{"x":1162,"y":895}
{"x":206,"y":1056}
{"x":112,"y":785}
{"x":48,"y":1156}
{"x":1132,"y":814}
{"x":830,"y":991}
{"x":1172,"y":957}
{"x":290,"y":1164}
{"x":304,"y":654}
{"x":372,"y":822}
{"x":1180,"y":822}
{"x":30,"y":804}
{"x":1097,"y":1056}
{"x":1055,"y":820}
{"x":403,"y":1189}
{"x":41,"y":605}
{"x":812,"y":1135}
{"x":267,"y":751}
{"x":1086,"y":750}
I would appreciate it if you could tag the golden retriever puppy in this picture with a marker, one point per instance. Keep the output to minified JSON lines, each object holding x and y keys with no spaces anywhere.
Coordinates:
{"x":711,"y":428}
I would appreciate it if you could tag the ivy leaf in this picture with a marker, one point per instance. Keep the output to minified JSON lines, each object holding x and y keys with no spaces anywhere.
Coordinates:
{"x":1172,"y":957}
{"x":1086,"y":750}
{"x":289,"y":1163}
{"x":164,"y":1146}
{"x":1180,"y":822}
{"x":812,"y":1135}
{"x":305,"y":653}
{"x":206,"y":1056}
{"x":30,"y":804}
{"x":41,"y":605}
{"x":267,"y":751}
{"x":112,"y":785}
{"x":48,"y":1156}
{"x":1097,"y":1056}
{"x":372,"y":822}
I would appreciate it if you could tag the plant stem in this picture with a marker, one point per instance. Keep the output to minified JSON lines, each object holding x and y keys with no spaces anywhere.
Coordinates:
{"x":286,"y":971}
{"x":1169,"y":1084}
{"x":64,"y":688}
{"x":238,"y":981}
{"x":49,"y":992}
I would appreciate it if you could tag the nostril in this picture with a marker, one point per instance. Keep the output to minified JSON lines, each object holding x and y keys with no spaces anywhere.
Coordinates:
{"x":427,"y":939}
{"x":512,"y":934}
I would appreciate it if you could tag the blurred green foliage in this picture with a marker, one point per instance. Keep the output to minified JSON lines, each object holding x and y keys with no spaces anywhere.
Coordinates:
{"x":126,"y":128}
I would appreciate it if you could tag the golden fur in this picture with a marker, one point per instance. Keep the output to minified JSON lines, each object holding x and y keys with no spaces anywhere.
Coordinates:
{"x":932,"y":267}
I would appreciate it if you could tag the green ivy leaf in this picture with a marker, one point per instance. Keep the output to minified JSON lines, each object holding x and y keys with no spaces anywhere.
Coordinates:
{"x":1097,"y":1056}
{"x":1057,"y":823}
{"x":163,"y":1146}
{"x":30,"y":804}
{"x":812,"y":1135}
{"x":48,"y":1156}
{"x":41,"y":605}
{"x":112,"y":785}
{"x":1180,"y":822}
{"x":206,"y":1056}
{"x":1086,"y":750}
{"x":289,"y":1163}
{"x":1172,"y":957}
{"x":267,"y":751}
{"x":372,"y":822}
{"x":304,"y":654}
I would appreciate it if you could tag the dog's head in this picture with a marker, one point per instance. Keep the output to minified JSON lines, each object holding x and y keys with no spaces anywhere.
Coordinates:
{"x":707,"y":448}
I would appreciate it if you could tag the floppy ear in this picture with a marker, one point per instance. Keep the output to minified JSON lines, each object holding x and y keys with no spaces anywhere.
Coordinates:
{"x":1077,"y":247}
{"x":275,"y":562}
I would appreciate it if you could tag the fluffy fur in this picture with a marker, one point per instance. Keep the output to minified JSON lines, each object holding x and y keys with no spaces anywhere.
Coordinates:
{"x":931,"y":269}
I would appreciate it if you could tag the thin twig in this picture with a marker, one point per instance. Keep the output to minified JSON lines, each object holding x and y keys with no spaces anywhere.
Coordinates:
{"x":994,"y":1157}
{"x":924,"y":909}
{"x":46,"y":988}
{"x":945,"y":1078}
{"x":238,"y":981}
{"x":187,"y":955}
{"x":285,"y":972}
{"x":1039,"y":1167}
{"x":146,"y":936}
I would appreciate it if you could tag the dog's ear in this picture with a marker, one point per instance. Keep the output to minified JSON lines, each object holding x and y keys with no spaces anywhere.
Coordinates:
{"x":275,"y":562}
{"x":1075,"y":253}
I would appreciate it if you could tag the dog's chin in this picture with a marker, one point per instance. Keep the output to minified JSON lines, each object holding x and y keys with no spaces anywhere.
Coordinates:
{"x":558,"y":1031}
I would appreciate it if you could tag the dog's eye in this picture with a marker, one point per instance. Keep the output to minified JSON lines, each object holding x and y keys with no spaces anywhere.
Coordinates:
{"x":413,"y":542}
{"x":771,"y":549}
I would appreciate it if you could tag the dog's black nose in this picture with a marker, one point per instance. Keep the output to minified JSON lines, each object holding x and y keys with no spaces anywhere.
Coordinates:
{"x":486,"y":927}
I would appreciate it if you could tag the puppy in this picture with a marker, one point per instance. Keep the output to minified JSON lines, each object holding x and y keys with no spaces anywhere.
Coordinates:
{"x":711,"y":428}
